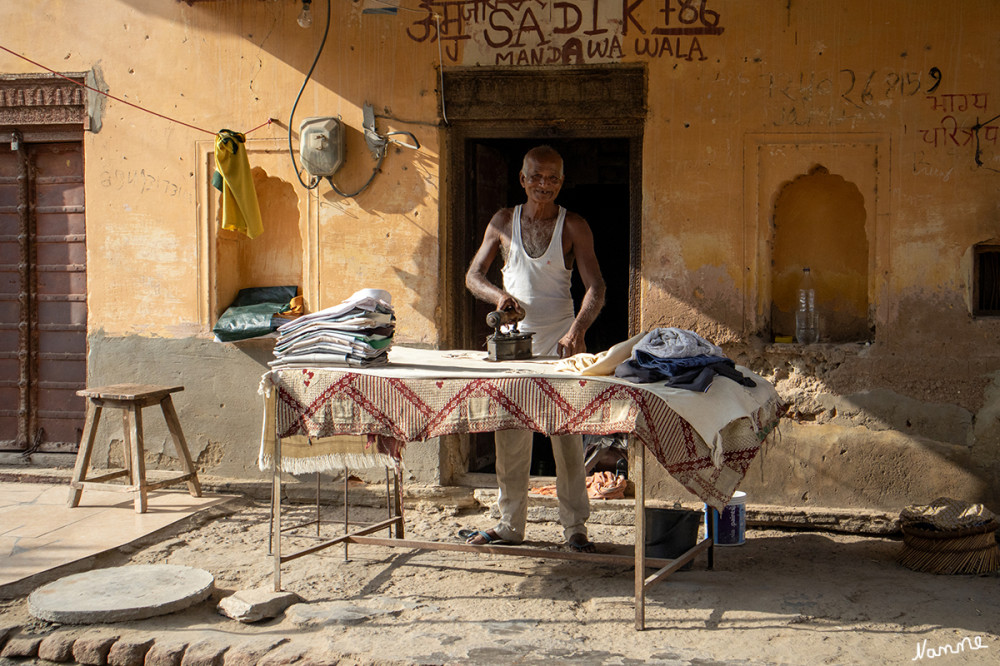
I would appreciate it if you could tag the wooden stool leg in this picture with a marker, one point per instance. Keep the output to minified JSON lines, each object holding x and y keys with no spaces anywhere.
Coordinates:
{"x":83,"y":455}
{"x":138,"y":461}
{"x":127,"y":446}
{"x":180,"y":444}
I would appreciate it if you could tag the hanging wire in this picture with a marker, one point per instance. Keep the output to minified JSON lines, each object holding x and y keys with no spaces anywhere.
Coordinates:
{"x":444,"y":112}
{"x":291,"y":153}
{"x":378,"y":165}
{"x":119,"y":99}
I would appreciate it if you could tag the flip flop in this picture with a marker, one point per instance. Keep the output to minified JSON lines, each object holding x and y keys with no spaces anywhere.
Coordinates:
{"x":469,"y":534}
{"x":585,"y":547}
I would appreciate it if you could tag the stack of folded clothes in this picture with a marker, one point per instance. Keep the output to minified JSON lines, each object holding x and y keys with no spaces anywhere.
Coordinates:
{"x":680,"y":359}
{"x":358,"y":333}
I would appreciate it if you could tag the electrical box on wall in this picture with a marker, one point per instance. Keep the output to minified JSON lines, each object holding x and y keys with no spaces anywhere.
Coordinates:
{"x":321,"y":145}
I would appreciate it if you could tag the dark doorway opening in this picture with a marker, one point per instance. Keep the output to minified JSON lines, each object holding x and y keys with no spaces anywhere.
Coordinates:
{"x":597,"y":186}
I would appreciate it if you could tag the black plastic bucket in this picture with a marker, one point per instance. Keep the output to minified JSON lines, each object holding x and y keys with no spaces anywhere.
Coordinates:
{"x":671,"y":532}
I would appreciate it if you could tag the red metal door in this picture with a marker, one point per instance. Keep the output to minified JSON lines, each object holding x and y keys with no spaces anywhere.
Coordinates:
{"x":43,"y":302}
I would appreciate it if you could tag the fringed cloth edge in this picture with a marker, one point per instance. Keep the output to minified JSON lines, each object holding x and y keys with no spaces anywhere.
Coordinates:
{"x":303,"y":455}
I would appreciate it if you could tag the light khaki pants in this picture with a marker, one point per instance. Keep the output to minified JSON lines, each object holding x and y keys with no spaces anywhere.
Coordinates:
{"x":513,"y":448}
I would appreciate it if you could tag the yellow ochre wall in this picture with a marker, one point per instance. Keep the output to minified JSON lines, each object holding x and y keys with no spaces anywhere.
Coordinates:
{"x":743,"y":98}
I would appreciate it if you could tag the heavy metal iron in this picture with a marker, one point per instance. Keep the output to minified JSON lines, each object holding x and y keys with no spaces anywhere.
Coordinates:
{"x":510,"y":345}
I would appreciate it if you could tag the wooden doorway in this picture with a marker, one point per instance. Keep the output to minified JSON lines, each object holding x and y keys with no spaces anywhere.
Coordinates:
{"x":594,"y":118}
{"x":43,"y":296}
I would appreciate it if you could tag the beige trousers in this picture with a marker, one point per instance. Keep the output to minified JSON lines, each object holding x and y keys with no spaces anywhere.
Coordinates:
{"x":513,"y":448}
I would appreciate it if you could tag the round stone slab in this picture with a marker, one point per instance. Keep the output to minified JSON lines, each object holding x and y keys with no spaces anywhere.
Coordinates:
{"x":118,"y":594}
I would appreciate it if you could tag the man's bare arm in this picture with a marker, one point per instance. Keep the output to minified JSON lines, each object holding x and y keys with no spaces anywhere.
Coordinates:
{"x":475,"y":278}
{"x":590,"y":274}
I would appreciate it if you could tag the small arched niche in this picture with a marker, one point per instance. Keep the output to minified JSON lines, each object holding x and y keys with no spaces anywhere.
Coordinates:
{"x":271,"y":260}
{"x":819,"y":223}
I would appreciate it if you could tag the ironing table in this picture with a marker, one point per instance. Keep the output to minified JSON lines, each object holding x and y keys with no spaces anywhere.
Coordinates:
{"x":706,"y":441}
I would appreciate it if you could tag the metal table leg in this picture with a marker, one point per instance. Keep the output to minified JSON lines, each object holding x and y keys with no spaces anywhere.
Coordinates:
{"x":640,"y":537}
{"x":276,"y":513}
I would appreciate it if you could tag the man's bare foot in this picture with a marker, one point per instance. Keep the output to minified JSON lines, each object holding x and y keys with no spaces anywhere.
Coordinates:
{"x":581,"y":544}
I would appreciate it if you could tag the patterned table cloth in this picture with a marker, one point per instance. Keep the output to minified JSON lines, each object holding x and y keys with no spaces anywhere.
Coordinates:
{"x":428,"y":393}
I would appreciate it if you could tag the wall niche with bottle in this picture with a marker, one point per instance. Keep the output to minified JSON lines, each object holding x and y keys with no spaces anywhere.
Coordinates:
{"x":820,"y":243}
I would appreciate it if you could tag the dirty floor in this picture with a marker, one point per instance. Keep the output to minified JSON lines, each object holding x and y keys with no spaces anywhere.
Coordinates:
{"x":784,"y":597}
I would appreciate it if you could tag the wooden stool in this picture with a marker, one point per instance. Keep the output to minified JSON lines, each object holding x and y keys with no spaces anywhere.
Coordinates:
{"x":130,"y":398}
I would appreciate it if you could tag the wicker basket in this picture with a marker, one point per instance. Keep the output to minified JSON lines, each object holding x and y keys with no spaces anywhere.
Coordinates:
{"x":971,"y":550}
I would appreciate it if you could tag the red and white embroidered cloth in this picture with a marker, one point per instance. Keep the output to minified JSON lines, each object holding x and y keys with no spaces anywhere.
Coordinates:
{"x":424,"y":393}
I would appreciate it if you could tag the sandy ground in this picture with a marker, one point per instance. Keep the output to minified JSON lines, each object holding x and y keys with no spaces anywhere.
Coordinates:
{"x":782,"y":598}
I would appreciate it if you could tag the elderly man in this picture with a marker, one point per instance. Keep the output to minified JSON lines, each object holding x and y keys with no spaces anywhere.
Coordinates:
{"x":540,"y":242}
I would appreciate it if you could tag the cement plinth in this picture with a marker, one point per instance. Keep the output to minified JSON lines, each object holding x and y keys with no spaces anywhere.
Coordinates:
{"x":120,"y":593}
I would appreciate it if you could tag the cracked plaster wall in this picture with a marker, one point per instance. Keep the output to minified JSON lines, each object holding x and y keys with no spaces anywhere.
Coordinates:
{"x":884,"y":95}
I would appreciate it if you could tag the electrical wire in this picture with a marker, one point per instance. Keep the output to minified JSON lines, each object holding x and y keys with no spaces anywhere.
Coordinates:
{"x":118,"y":99}
{"x":444,"y":112}
{"x":291,"y":153}
{"x":378,"y":165}
{"x":380,"y":149}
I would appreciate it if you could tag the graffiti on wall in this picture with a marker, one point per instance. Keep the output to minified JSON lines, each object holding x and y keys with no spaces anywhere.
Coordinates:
{"x":956,"y":129}
{"x":566,"y":32}
{"x":139,"y":180}
{"x":950,"y":130}
{"x":982,"y":135}
{"x":805,"y":98}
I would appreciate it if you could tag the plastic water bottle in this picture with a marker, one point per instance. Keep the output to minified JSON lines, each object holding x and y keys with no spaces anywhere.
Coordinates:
{"x":806,"y":319}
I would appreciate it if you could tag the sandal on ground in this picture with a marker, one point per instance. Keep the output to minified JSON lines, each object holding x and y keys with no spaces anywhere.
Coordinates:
{"x":585,"y":546}
{"x":469,"y":535}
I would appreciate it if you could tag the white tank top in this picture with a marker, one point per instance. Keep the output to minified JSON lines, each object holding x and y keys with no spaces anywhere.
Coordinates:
{"x":542,"y":287}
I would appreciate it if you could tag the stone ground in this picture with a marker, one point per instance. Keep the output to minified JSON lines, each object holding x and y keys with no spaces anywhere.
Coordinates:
{"x":784,"y":597}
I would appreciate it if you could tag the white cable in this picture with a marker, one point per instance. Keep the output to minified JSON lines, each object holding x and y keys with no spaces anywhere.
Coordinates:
{"x":444,"y":112}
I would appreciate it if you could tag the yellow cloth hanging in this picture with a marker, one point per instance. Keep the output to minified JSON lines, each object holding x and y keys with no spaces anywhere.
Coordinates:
{"x":240,"y":210}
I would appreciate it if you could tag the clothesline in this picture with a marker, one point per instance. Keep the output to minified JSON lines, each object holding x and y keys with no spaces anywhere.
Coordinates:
{"x":118,"y":99}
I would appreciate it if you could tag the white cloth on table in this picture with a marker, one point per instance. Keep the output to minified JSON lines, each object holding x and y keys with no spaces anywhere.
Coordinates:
{"x":708,"y":412}
{"x":603,"y":363}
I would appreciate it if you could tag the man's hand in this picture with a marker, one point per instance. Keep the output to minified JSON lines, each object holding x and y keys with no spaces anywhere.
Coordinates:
{"x":507,"y":302}
{"x":570,"y":344}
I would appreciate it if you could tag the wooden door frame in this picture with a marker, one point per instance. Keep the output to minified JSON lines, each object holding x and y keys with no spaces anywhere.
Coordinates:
{"x":532,"y":103}
{"x":44,"y":109}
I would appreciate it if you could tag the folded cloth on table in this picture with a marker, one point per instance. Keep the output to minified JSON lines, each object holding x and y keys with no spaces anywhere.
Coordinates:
{"x":357,"y":332}
{"x":675,"y":343}
{"x":679,"y":359}
{"x":694,"y":373}
{"x":603,"y":363}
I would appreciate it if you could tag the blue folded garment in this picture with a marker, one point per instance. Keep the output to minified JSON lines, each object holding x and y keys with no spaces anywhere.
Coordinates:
{"x":694,"y":373}
{"x":672,"y":366}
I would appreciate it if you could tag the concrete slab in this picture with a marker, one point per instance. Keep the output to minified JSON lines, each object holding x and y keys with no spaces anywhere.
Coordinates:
{"x":39,"y":533}
{"x":120,"y":593}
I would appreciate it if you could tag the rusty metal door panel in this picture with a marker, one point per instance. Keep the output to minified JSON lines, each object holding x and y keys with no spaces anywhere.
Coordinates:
{"x":61,"y":297}
{"x":53,"y":356}
{"x":10,"y":287}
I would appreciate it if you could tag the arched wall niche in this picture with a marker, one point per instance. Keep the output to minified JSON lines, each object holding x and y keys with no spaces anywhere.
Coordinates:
{"x":819,"y":223}
{"x":851,"y":186}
